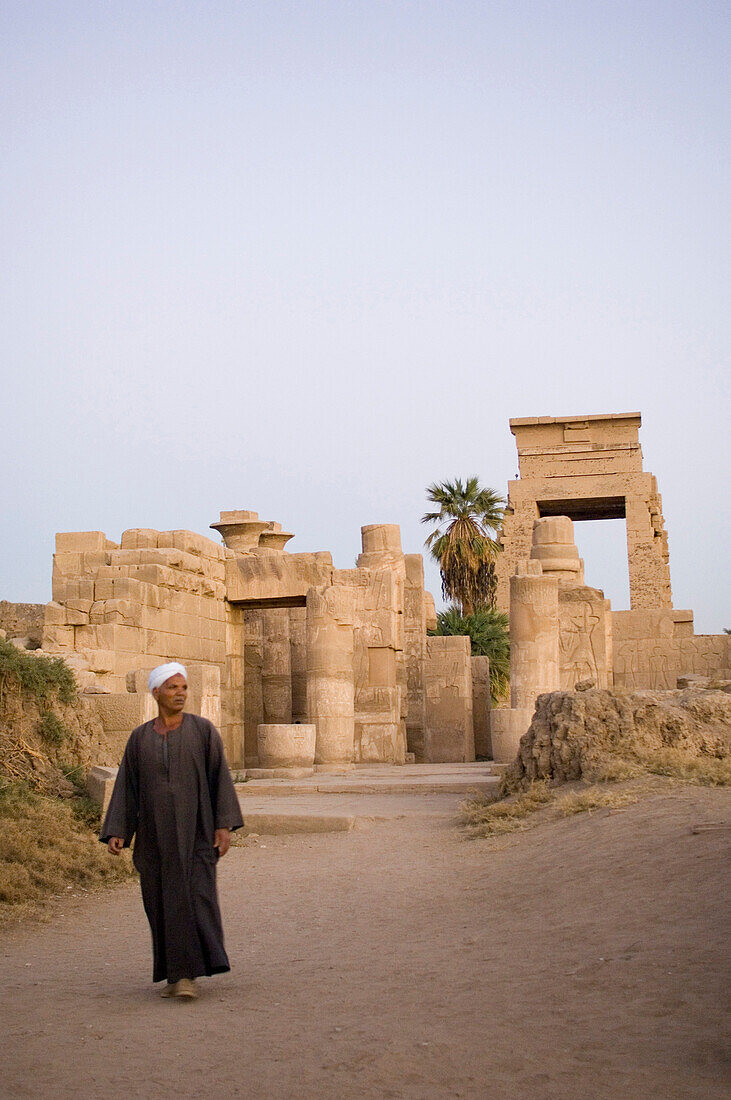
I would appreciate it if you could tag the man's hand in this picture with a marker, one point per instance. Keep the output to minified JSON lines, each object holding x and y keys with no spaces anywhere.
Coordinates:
{"x":222,"y":840}
{"x":115,"y":845}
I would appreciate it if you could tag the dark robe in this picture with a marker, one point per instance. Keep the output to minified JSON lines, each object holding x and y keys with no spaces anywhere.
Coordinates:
{"x":172,"y":793}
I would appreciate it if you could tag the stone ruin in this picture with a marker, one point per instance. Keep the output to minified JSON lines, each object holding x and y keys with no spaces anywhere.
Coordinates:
{"x":270,"y":639}
{"x":564,"y":633}
{"x":285,"y":649}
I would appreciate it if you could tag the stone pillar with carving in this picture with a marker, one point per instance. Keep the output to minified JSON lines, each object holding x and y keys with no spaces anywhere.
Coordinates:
{"x":253,"y":699}
{"x":276,"y":670}
{"x":534,"y":655}
{"x":330,"y":681}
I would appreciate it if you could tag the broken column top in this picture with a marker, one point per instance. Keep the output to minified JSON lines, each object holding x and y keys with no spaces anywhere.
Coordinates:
{"x":381,"y":536}
{"x":240,"y":530}
{"x":555,"y":549}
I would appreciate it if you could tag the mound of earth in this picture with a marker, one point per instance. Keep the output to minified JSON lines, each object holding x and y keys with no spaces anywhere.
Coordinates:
{"x":46,"y":741}
{"x":598,"y":734}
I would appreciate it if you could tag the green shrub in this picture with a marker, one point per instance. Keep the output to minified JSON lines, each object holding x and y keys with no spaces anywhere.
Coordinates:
{"x":43,"y":678}
{"x":52,"y":730}
{"x":489,"y":636}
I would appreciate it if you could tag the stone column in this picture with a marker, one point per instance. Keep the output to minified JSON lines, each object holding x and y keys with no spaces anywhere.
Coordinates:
{"x":253,"y":700}
{"x":534,"y":656}
{"x":330,"y":681}
{"x":298,"y":658}
{"x":382,"y":551}
{"x":415,"y":612}
{"x":647,"y":549}
{"x":481,"y":705}
{"x":276,"y":669}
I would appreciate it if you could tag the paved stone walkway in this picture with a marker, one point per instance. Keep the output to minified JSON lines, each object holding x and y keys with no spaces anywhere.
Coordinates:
{"x":369,"y":794}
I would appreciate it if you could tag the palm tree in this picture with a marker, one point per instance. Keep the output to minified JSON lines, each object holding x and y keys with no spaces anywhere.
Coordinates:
{"x":487,"y":630}
{"x":462,"y":543}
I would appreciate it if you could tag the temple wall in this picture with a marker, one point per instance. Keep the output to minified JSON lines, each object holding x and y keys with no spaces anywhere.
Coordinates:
{"x":653,"y":648}
{"x":158,"y":596}
{"x":450,"y":733}
{"x":378,"y":660}
{"x":585,"y":644}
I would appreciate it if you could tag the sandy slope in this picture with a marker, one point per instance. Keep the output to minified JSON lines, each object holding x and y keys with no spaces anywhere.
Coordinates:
{"x":579,"y":959}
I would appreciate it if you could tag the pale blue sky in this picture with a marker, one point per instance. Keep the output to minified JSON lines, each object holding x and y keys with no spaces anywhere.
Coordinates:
{"x":308,"y":257}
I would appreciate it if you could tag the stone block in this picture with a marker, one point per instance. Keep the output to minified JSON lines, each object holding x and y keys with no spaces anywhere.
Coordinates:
{"x":101,"y":660}
{"x":100,"y":784}
{"x":122,"y":639}
{"x":83,"y":606}
{"x":139,"y":538}
{"x":67,"y":563}
{"x":54,"y":615}
{"x":123,"y":613}
{"x":204,"y":691}
{"x":121,"y":711}
{"x":76,"y":618}
{"x":80,"y":541}
{"x":192,"y":543}
{"x":286,"y":746}
{"x":57,"y":637}
{"x":93,"y":560}
{"x":507,"y":726}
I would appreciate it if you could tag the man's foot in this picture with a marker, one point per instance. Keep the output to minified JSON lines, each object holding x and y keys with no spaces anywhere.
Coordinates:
{"x":186,"y":989}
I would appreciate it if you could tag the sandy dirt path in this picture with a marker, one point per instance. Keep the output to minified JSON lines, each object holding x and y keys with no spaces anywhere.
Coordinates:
{"x":579,"y":959}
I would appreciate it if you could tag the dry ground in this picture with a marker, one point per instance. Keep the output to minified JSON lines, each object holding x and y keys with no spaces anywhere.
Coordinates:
{"x":581,"y":958}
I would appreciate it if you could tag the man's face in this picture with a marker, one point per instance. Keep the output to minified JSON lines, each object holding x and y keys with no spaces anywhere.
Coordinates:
{"x":172,"y":694}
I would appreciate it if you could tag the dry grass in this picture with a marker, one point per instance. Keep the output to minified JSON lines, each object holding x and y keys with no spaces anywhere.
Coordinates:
{"x":48,"y":848}
{"x":707,"y":771}
{"x":594,"y":798}
{"x":482,"y":817}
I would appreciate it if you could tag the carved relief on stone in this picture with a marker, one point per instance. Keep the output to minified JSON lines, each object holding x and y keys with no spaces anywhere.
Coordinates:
{"x":579,"y":643}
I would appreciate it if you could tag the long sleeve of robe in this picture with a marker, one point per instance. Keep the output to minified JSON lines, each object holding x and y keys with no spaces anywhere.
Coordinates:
{"x":171,"y":794}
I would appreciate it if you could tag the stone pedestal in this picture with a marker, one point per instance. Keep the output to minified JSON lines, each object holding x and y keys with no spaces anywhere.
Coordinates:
{"x":330,"y":683}
{"x":285,"y":751}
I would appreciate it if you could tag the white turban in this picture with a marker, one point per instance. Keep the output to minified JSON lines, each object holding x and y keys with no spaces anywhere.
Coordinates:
{"x":159,"y":675}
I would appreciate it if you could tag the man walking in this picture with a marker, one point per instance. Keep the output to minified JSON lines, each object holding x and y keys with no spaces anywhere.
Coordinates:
{"x":175,"y":794}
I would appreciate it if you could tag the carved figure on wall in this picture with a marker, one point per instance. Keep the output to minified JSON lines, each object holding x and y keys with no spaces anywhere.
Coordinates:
{"x":576,"y":645}
{"x":659,"y":669}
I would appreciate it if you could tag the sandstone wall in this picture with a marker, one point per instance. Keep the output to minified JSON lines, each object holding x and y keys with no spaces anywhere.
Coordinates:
{"x":450,"y":733}
{"x":652,"y":649}
{"x":157,"y":596}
